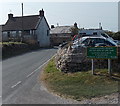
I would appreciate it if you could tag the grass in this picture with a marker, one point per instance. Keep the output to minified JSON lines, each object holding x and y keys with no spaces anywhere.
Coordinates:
{"x":78,"y":85}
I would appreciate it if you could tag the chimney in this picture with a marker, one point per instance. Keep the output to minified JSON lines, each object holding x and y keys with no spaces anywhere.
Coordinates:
{"x":75,"y":25}
{"x":100,"y":26}
{"x":10,"y":16}
{"x":41,"y":13}
{"x":52,"y":26}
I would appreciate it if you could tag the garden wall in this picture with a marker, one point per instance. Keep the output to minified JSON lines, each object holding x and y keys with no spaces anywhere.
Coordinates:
{"x":9,"y":50}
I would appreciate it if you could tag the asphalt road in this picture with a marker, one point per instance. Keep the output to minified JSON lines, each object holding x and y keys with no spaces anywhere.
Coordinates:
{"x":20,"y":80}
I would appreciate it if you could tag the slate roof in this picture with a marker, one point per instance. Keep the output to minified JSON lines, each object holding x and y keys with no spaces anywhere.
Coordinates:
{"x":61,"y":29}
{"x":29,"y":22}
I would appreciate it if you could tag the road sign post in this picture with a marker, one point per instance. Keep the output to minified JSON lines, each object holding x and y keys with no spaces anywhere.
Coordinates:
{"x":93,"y":67}
{"x":109,"y":67}
{"x":102,"y":53}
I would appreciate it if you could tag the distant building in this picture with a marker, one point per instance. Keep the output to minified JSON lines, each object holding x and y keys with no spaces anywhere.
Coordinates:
{"x":33,"y":27}
{"x":0,"y":33}
{"x":60,"y":34}
{"x":94,"y":32}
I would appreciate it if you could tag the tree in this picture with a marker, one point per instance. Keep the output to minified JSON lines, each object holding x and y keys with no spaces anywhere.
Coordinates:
{"x":110,"y":33}
{"x":74,"y":31}
{"x":117,"y":35}
{"x":114,"y":35}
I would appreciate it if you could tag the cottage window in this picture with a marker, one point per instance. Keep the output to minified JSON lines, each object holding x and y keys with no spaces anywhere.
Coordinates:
{"x":94,"y":33}
{"x":82,"y":33}
{"x":19,"y":33}
{"x":13,"y":33}
{"x":47,"y":32}
{"x":26,"y":32}
{"x":8,"y":33}
{"x":4,"y":33}
{"x":31,"y":32}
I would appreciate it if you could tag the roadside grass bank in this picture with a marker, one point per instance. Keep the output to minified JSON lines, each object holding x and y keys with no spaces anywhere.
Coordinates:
{"x":79,"y":85}
{"x":10,"y":49}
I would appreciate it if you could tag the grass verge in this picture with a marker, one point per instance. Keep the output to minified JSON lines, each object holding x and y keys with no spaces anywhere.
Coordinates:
{"x":78,"y":85}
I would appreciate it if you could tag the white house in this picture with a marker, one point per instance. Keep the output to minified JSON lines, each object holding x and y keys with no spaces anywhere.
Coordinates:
{"x":28,"y":27}
{"x":93,"y":32}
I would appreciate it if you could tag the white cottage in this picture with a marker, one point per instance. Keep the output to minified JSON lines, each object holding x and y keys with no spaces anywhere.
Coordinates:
{"x":28,"y":27}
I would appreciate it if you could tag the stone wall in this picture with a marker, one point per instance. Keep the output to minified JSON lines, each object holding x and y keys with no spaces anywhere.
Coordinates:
{"x":9,"y":50}
{"x":74,"y":60}
{"x":57,"y":39}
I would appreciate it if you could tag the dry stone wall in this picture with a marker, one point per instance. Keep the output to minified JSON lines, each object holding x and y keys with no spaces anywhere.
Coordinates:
{"x":74,"y":60}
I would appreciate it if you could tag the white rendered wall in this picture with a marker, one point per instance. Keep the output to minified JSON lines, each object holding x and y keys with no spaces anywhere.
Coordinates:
{"x":41,"y":32}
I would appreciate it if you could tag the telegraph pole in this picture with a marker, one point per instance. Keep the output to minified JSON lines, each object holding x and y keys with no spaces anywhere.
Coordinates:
{"x":22,"y":9}
{"x":22,"y":25}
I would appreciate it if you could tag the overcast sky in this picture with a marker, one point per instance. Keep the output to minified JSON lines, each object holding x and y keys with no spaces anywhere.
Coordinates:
{"x":86,"y":14}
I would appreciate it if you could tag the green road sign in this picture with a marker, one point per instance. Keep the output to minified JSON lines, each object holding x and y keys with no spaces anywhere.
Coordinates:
{"x":102,"y":52}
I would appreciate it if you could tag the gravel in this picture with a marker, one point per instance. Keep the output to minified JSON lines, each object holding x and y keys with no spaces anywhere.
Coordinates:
{"x":108,"y":99}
